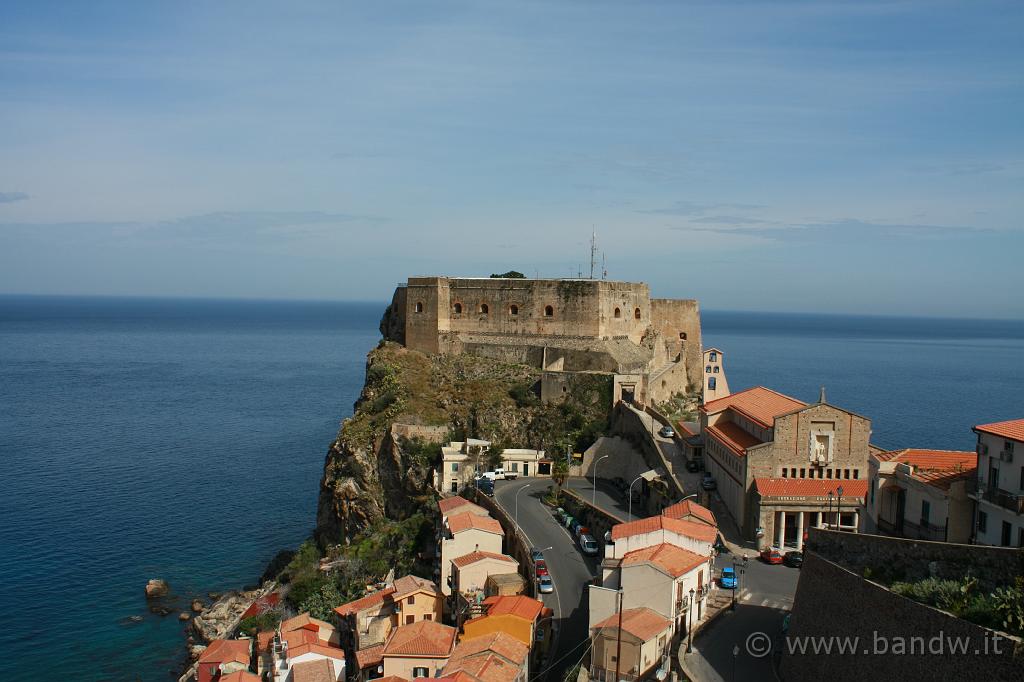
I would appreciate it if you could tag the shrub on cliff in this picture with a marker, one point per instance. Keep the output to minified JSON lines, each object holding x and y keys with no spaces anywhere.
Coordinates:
{"x":267,"y":620}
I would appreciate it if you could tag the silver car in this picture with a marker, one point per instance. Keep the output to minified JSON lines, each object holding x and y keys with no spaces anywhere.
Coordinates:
{"x":545,"y":585}
{"x":589,"y":545}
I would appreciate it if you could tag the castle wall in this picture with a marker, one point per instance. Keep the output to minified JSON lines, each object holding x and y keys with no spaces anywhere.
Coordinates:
{"x":672,"y":318}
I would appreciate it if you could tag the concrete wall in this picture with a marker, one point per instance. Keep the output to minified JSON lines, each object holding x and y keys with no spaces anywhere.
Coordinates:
{"x":834,"y":602}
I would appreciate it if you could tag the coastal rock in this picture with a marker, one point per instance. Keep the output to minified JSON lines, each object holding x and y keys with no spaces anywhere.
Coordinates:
{"x":197,"y":605}
{"x":160,"y":610}
{"x":219,"y":620}
{"x":196,"y":651}
{"x":184,"y":616}
{"x":156,"y":588}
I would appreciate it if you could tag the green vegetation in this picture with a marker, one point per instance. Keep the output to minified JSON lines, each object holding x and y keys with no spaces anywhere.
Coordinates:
{"x":1000,"y":610}
{"x":511,"y":274}
{"x":524,"y":395}
{"x":680,"y":407}
{"x":420,"y":452}
{"x":267,"y":620}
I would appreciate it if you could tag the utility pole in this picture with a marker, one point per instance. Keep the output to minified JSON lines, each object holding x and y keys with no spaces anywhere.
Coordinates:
{"x":618,"y":637}
{"x":593,"y":253}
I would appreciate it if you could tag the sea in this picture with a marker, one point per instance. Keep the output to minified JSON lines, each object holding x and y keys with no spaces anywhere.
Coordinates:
{"x":184,"y":439}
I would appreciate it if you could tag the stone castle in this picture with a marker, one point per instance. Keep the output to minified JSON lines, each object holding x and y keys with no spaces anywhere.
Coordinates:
{"x":652,"y":347}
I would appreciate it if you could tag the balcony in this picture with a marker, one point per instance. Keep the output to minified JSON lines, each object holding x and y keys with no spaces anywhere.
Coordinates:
{"x":1006,"y":455}
{"x":999,"y":497}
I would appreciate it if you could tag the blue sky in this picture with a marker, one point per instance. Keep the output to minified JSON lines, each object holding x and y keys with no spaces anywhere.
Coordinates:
{"x":798,"y":156}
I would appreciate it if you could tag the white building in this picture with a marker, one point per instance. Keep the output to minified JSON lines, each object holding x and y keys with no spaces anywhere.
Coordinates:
{"x":461,"y":461}
{"x":715,"y":384}
{"x":1000,"y":484}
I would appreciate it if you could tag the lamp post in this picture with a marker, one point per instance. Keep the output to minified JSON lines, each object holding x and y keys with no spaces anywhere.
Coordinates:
{"x":828,"y":519}
{"x":839,"y":508}
{"x":593,"y":499}
{"x":517,"y":503}
{"x":689,"y":628}
{"x":735,"y":584}
{"x":631,"y":495}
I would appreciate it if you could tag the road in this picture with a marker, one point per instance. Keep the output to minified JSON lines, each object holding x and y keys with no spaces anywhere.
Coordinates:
{"x":570,"y":570}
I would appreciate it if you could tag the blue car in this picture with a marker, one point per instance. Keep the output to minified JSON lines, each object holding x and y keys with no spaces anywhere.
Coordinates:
{"x":728,"y":579}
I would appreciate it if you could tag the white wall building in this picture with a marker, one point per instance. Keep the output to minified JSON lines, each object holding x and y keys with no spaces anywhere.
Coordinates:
{"x":999,"y":519}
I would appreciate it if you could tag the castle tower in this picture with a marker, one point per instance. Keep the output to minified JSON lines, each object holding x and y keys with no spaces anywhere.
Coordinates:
{"x":715,"y":384}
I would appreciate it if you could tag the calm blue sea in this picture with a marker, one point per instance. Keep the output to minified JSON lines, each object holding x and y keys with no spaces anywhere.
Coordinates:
{"x":184,"y":439}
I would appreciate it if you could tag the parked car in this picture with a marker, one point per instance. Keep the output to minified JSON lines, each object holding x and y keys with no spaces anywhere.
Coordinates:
{"x":542,"y":568}
{"x":693,"y":466}
{"x":794,"y":559}
{"x":771,"y":555}
{"x":588,"y":544}
{"x":545,"y":585}
{"x":536,"y":555}
{"x":728,"y":578}
{"x":667,"y":432}
{"x":708,"y":482}
{"x":503,"y":475}
{"x":486,"y":486}
{"x":581,"y":530}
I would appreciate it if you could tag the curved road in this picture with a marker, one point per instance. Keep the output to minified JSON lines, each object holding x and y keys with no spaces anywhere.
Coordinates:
{"x":570,"y":571}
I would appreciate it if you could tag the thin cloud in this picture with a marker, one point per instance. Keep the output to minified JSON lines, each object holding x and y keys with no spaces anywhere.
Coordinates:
{"x":845,"y":230}
{"x":11,"y":197}
{"x":690,"y":208}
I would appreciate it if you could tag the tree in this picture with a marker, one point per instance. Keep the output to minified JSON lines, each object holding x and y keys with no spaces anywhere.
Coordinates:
{"x":511,"y":274}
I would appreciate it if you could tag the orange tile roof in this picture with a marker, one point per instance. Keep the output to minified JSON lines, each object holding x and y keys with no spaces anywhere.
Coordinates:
{"x":240,"y":676}
{"x":484,"y":668}
{"x":467,"y":521}
{"x":519,"y":605}
{"x":675,"y":561}
{"x":938,"y":468}
{"x":690,"y":529}
{"x":391,"y":678}
{"x":682,"y":428}
{"x":1012,"y":429}
{"x":408,"y":584}
{"x":303,"y":621}
{"x":320,"y":670}
{"x":366,"y":602}
{"x":370,"y":656}
{"x":473,"y":557}
{"x":448,"y":505}
{"x":227,"y":651}
{"x":733,"y":437}
{"x":264,"y":639}
{"x":424,"y":638}
{"x":314,"y":648}
{"x":501,"y":643}
{"x":760,"y":404}
{"x":810,"y":487}
{"x":642,"y":623}
{"x":686,"y":508}
{"x":300,"y":636}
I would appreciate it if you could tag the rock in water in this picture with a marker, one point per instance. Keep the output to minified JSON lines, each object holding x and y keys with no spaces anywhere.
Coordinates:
{"x":197,"y":605}
{"x":156,"y":588}
{"x":183,"y":616}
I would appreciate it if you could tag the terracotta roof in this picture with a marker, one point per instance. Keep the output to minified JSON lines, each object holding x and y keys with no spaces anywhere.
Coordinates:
{"x":314,"y":648}
{"x":366,"y":602}
{"x":501,"y":643}
{"x":485,"y":668}
{"x":690,"y":529}
{"x":448,"y":505}
{"x":370,"y":656}
{"x":675,"y":561}
{"x":408,"y":584}
{"x":810,"y":487}
{"x":264,"y":639}
{"x":227,"y":651}
{"x":642,"y":622}
{"x":264,"y":603}
{"x":1012,"y":429}
{"x":686,"y":508}
{"x":304,"y":621}
{"x":423,"y":638}
{"x":391,"y":678}
{"x":473,"y":557}
{"x":241,"y":676}
{"x":761,"y":404}
{"x":466,"y":521}
{"x":733,"y":437}
{"x":935,"y":467}
{"x":320,"y":670}
{"x":457,"y":677}
{"x":686,"y":429}
{"x":300,"y":636}
{"x":518,"y":605}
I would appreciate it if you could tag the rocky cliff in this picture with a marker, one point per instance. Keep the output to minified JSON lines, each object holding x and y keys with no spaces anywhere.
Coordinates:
{"x":375,"y":470}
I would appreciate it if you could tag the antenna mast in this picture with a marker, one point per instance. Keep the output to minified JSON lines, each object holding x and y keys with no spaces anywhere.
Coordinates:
{"x":593,"y":253}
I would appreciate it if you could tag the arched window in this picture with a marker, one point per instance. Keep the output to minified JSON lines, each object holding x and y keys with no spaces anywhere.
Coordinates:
{"x":618,"y":313}
{"x":713,"y":356}
{"x":484,"y":309}
{"x":636,"y":314}
{"x":513,"y":309}
{"x":458,"y":308}
{"x":682,"y":335}
{"x":549,"y":311}
{"x":708,"y":369}
{"x":716,"y":369}
{"x":419,"y":307}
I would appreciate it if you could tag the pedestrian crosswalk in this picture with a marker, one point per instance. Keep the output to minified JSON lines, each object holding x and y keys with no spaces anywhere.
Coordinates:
{"x":768,"y":602}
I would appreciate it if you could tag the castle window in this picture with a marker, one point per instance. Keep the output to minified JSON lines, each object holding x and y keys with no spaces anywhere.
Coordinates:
{"x":856,"y":474}
{"x":549,"y":311}
{"x":419,"y":307}
{"x":484,"y":309}
{"x":682,"y":336}
{"x":513,"y":309}
{"x":636,"y":314}
{"x":784,"y":472}
{"x":803,"y":473}
{"x":458,"y":308}
{"x":618,"y":313}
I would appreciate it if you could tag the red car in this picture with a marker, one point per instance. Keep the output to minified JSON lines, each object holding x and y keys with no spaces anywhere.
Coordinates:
{"x":542,"y":568}
{"x":770,"y":555}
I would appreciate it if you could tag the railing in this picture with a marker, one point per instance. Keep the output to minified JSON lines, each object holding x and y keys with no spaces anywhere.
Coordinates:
{"x":605,"y":675}
{"x":1006,"y":455}
{"x":1014,"y":503}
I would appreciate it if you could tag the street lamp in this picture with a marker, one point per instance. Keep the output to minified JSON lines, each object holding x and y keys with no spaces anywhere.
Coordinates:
{"x":517,"y":503}
{"x":631,"y":495}
{"x":689,"y":627}
{"x":829,"y":518}
{"x":735,"y":580}
{"x":839,"y":510}
{"x":593,"y":499}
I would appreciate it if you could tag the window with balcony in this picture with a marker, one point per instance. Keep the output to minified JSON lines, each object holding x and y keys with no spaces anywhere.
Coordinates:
{"x":982,"y":522}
